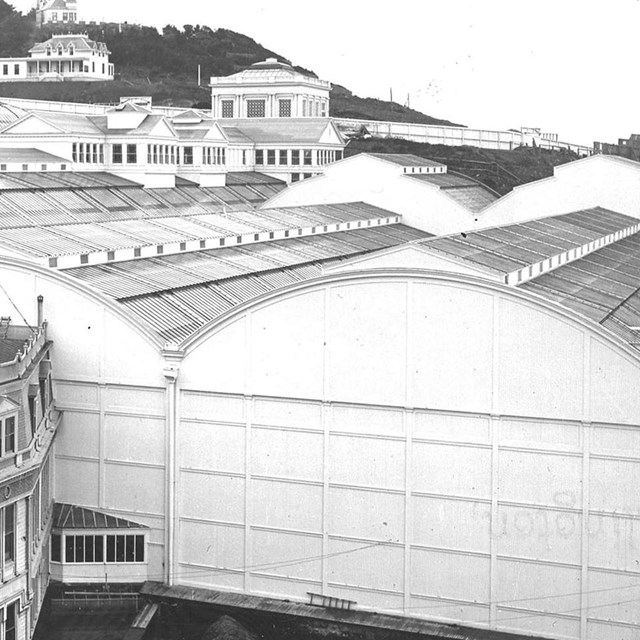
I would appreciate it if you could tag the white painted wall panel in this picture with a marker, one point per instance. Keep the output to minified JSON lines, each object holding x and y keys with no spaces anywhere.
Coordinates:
{"x":614,"y":383}
{"x":451,"y":524}
{"x":287,"y":588}
{"x":212,"y":408}
{"x":451,"y":347}
{"x":451,"y":428}
{"x":207,"y":579}
{"x":530,"y":623}
{"x":539,"y":534}
{"x":296,"y":345}
{"x":367,"y":514}
{"x":210,"y":497}
{"x":199,"y":372}
{"x":370,"y":421}
{"x":214,"y":447}
{"x":538,"y":587}
{"x":367,"y":462}
{"x":624,"y":475}
{"x":287,"y":413}
{"x":597,"y":630}
{"x":210,"y":545}
{"x":614,"y":542}
{"x":450,"y":575}
{"x":430,"y":608}
{"x":615,"y":440}
{"x":550,"y":385}
{"x":136,"y":400}
{"x":558,"y":478}
{"x":286,"y":554}
{"x":614,"y":597}
{"x":75,"y":395}
{"x":539,"y":435}
{"x":79,"y":434}
{"x":286,"y":454}
{"x":134,"y":439}
{"x":285,"y":505}
{"x":134,"y":488}
{"x":363,"y":366}
{"x":69,"y":490}
{"x":365,"y":566}
{"x":451,"y":470}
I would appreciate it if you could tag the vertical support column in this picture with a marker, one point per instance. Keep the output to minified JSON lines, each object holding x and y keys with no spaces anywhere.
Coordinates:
{"x":494,"y":430}
{"x":408,"y":422}
{"x":171,"y":370}
{"x":494,"y":433}
{"x":327,"y":421}
{"x":586,"y":464}
{"x":102,"y":467}
{"x":249,"y":411}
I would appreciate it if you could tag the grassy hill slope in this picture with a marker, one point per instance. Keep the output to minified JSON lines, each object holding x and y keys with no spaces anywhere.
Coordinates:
{"x":165,"y":66}
{"x":500,"y":170}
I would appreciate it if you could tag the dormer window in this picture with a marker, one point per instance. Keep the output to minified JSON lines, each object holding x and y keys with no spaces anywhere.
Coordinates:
{"x":48,"y":50}
{"x":71,"y":50}
{"x":8,"y":425}
{"x":8,"y":434}
{"x":59,"y":49}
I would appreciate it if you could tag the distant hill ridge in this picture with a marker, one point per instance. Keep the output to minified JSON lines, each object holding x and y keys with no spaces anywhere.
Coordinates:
{"x":165,"y":65}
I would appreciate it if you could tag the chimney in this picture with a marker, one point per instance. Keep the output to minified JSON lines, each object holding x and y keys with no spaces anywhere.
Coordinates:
{"x":40,"y":310}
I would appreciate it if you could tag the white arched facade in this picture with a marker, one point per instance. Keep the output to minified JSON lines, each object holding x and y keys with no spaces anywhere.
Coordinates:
{"x":111,"y":448}
{"x":432,"y":445}
{"x":426,"y":444}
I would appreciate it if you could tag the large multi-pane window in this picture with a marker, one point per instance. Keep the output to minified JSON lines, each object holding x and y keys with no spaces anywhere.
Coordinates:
{"x":227,"y":108}
{"x":116,"y":154}
{"x":7,"y":435}
{"x":271,"y":156}
{"x":295,"y":156}
{"x":256,"y":108}
{"x":100,"y":548}
{"x":187,"y":155}
{"x":284,"y":108}
{"x":308,"y":156}
{"x":8,"y":540}
{"x":9,"y":621}
{"x":259,"y":156}
{"x":132,"y":154}
{"x":214,"y":155}
{"x":283,"y":156}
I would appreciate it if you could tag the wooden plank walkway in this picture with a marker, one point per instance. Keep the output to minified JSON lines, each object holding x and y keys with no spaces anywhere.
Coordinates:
{"x":225,"y":600}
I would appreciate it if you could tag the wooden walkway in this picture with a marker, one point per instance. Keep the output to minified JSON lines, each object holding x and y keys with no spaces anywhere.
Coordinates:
{"x":228,"y":601}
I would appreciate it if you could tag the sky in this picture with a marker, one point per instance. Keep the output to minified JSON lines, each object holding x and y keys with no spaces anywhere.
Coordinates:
{"x":565,"y":66}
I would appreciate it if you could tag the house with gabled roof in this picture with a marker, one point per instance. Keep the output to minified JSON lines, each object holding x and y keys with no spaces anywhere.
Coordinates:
{"x":56,"y":11}
{"x":63,"y":57}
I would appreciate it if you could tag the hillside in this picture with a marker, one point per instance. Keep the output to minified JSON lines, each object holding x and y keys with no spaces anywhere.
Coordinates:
{"x":500,"y":170}
{"x":165,"y":66}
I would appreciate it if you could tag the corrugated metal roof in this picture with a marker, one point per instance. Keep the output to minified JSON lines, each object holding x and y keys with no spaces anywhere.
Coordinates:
{"x":406,"y":159}
{"x":19,"y":155}
{"x":511,"y":247}
{"x":604,"y":286}
{"x":71,"y":516}
{"x":177,"y":294}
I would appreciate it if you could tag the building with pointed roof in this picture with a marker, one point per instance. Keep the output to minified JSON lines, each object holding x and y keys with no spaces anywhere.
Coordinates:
{"x":64,"y":57}
{"x":56,"y":12}
{"x":28,"y":425}
{"x":383,"y":385}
